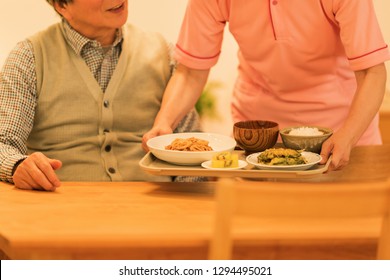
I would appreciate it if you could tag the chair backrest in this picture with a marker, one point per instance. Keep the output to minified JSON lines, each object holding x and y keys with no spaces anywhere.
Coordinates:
{"x":291,"y":201}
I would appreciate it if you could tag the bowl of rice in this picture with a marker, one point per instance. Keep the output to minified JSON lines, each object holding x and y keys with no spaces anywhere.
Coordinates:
{"x":308,"y":138}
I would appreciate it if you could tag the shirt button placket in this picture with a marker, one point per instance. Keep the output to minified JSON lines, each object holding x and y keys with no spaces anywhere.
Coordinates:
{"x":278,"y":19}
{"x":106,"y":116}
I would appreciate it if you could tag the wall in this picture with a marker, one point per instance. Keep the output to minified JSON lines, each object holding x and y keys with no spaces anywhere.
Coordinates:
{"x":21,"y":18}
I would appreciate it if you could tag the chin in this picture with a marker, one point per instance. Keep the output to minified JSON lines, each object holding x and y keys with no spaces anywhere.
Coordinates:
{"x":120,"y":21}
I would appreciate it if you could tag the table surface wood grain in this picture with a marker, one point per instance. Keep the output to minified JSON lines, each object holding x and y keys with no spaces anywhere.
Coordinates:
{"x":145,"y":220}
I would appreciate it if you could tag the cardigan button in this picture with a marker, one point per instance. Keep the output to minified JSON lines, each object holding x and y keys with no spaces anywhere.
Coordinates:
{"x":112,"y":170}
{"x":107,"y":148}
{"x":106,"y":103}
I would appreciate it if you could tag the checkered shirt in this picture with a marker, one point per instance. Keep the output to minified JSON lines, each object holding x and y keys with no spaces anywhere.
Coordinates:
{"x":18,"y":91}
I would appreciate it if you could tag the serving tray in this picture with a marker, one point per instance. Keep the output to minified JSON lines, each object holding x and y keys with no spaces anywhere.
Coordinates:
{"x":150,"y":164}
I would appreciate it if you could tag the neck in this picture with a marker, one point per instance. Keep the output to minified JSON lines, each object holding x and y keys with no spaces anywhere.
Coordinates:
{"x":105,"y":37}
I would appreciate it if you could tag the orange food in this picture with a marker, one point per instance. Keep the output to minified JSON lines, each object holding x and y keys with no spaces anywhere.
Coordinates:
{"x":192,"y":144}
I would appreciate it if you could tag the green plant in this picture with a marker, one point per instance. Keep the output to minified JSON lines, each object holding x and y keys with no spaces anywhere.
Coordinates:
{"x":207,"y":103}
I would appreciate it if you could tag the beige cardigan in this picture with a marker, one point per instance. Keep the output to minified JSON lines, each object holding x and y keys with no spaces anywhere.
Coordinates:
{"x":97,"y":135}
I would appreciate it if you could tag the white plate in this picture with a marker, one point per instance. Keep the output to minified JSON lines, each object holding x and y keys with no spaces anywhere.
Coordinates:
{"x":312,"y":159}
{"x":241,"y":164}
{"x":219,"y":143}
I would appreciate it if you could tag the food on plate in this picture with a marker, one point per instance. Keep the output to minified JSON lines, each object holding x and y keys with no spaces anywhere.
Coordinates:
{"x":281,"y":156}
{"x":192,"y":144}
{"x":224,"y":160}
{"x":306,"y":131}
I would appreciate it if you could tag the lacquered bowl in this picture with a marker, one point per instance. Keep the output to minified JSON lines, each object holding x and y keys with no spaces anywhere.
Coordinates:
{"x":256,"y":135}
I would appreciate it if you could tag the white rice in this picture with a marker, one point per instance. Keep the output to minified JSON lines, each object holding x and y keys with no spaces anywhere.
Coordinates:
{"x":305,"y":131}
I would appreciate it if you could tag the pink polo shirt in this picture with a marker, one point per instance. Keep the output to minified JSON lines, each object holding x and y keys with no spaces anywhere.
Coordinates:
{"x":296,"y":58}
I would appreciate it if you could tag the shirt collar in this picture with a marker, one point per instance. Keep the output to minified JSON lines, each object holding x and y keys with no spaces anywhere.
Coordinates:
{"x":78,"y":41}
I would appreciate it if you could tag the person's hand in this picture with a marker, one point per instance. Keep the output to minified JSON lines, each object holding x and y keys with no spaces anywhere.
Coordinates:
{"x":155,"y":131}
{"x":339,"y":146}
{"x":37,"y":173}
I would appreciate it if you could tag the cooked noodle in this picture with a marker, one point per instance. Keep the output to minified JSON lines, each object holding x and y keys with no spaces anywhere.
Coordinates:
{"x":190,"y":144}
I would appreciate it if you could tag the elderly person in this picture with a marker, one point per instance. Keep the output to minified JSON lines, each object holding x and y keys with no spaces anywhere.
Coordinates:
{"x":317,"y":62}
{"x":76,"y":98}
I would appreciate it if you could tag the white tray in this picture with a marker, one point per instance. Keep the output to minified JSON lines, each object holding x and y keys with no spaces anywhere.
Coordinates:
{"x":149,"y":163}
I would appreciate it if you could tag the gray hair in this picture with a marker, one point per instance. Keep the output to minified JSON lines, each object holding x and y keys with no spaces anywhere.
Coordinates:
{"x":61,"y":2}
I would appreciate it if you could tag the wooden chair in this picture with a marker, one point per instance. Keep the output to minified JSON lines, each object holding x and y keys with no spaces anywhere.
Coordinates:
{"x":384,"y":118}
{"x":301,"y":202}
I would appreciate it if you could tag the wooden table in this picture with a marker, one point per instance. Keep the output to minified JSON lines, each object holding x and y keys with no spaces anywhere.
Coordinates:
{"x":367,"y":163}
{"x":143,"y":220}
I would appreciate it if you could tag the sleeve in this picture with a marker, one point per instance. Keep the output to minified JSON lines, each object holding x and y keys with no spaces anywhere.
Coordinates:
{"x":17,"y":106}
{"x":190,"y":123}
{"x":200,"y":38}
{"x":360,"y":33}
{"x":172,"y":61}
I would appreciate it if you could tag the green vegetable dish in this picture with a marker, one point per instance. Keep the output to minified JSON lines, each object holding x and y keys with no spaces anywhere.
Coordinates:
{"x":281,"y":156}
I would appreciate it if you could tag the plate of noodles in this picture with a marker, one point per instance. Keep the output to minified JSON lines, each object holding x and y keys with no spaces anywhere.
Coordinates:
{"x":189,"y":148}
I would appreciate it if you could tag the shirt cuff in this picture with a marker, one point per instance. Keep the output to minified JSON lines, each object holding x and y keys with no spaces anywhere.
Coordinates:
{"x":195,"y":62}
{"x":370,"y":59}
{"x":8,"y":165}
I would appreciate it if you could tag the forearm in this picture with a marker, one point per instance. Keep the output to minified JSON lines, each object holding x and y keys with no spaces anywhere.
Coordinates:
{"x":181,"y":94}
{"x":371,"y":84}
{"x":17,"y":106}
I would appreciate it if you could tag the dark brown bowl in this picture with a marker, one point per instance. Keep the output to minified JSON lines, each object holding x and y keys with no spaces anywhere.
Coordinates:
{"x":256,"y":135}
